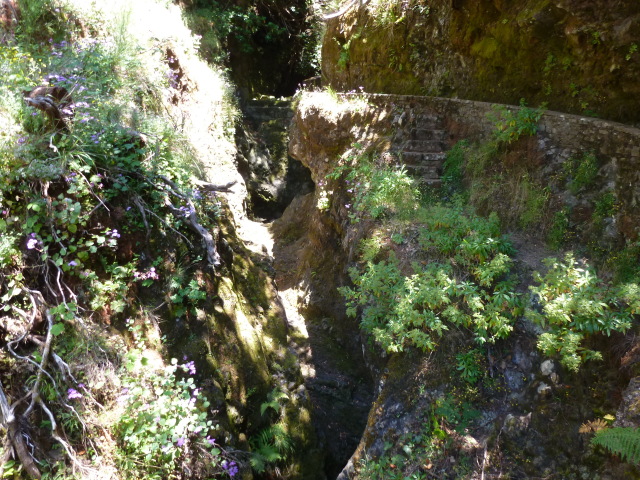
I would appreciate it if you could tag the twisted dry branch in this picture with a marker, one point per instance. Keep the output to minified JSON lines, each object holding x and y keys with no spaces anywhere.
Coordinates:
{"x":15,"y":423}
{"x":213,"y":257}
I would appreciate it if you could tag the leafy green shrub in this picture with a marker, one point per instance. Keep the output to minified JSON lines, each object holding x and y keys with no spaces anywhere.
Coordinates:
{"x":574,"y":306}
{"x":469,"y":365}
{"x":378,"y":189}
{"x":164,"y":422}
{"x":583,"y":171}
{"x":400,"y":310}
{"x":511,"y":124}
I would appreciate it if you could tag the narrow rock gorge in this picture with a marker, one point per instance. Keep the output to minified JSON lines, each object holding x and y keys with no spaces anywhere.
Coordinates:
{"x":359,"y":240}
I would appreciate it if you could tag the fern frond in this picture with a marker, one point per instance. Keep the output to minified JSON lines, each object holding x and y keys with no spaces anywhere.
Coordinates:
{"x":273,"y":401}
{"x":269,"y":453}
{"x":281,"y":439}
{"x":624,"y":442}
{"x":258,"y":462}
{"x":593,"y":426}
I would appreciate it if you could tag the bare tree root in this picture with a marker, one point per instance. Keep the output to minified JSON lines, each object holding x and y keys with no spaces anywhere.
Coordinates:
{"x":211,"y":187}
{"x":15,"y":438}
{"x":138,"y":203}
{"x":152,"y":213}
{"x":13,"y":421}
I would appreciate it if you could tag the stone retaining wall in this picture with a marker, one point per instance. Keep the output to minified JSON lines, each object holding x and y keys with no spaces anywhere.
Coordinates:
{"x":559,"y":138}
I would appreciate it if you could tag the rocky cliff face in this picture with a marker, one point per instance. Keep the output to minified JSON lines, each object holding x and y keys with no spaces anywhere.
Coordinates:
{"x":578,"y":56}
{"x":523,"y":420}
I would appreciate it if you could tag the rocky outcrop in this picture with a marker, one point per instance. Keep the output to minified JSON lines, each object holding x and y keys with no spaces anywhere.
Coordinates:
{"x":578,"y":56}
{"x":402,"y":125}
{"x":523,"y":419}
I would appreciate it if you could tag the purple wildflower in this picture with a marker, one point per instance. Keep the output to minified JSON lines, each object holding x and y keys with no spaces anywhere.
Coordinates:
{"x":211,"y":441}
{"x":230,"y":467}
{"x":32,"y":242}
{"x":73,"y":263}
{"x":151,"y":274}
{"x":72,"y":393}
{"x":180,"y":441}
{"x":190,"y":367}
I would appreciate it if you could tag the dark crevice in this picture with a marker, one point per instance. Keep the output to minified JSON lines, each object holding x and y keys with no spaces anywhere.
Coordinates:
{"x":272,"y":177}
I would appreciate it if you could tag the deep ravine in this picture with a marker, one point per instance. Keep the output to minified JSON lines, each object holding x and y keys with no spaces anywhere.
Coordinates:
{"x":329,"y":351}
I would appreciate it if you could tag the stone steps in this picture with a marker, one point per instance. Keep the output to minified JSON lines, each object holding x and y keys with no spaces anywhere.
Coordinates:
{"x":259,"y":115}
{"x":422,"y":158}
{"x":425,"y":134}
{"x":422,"y":144}
{"x":267,"y":110}
{"x":426,"y":146}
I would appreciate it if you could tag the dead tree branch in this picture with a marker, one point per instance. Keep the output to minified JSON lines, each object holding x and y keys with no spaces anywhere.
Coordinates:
{"x":211,"y":187}
{"x":213,"y":257}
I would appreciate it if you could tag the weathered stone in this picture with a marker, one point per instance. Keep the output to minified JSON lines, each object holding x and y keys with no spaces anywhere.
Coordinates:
{"x":543,"y":390}
{"x":547,"y":367}
{"x":490,"y":50}
{"x":514,"y":425}
{"x":628,"y":414}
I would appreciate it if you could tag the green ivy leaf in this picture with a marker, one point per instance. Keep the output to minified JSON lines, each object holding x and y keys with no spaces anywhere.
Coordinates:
{"x":57,"y":329}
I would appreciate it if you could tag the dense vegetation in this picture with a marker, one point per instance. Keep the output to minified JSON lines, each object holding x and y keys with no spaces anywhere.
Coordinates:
{"x":432,"y":265}
{"x":270,"y":46}
{"x":114,"y":255}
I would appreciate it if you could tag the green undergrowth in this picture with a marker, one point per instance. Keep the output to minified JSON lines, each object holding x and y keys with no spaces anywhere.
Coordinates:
{"x":462,"y":283}
{"x":460,"y":272}
{"x":97,"y":234}
{"x":423,"y":453}
{"x":437,"y":264}
{"x":497,"y":173}
{"x":433,"y":267}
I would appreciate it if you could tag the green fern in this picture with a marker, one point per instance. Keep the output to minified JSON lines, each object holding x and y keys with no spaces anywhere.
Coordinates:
{"x":624,"y":442}
{"x":270,"y":446}
{"x":273,"y":401}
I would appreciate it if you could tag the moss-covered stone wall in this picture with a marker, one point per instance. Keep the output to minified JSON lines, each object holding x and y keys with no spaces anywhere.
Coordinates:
{"x":578,"y":56}
{"x":561,"y":139}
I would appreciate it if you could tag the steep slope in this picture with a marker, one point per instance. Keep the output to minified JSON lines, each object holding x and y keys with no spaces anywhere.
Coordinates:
{"x":448,"y":405}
